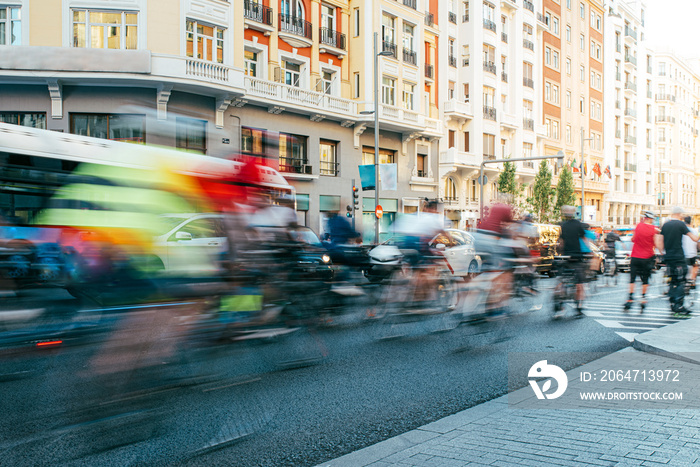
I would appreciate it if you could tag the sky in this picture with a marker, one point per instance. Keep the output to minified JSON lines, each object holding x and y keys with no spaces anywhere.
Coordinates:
{"x":674,"y":23}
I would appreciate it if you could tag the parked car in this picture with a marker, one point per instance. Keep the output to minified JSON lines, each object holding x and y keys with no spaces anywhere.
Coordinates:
{"x":544,"y":248}
{"x":623,"y":251}
{"x":457,"y":246}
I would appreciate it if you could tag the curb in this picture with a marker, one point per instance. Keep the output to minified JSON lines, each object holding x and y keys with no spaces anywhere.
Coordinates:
{"x":680,"y":341}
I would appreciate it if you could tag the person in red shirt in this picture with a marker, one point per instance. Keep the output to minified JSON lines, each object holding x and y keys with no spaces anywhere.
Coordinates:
{"x":642,"y":257}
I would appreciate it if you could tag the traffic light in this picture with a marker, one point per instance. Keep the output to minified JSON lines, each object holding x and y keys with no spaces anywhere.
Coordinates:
{"x":356,"y":197}
{"x":349,"y":209}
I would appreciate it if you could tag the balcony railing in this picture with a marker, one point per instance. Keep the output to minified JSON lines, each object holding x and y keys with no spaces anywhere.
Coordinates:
{"x":631,"y":59}
{"x":410,"y":3}
{"x":504,"y":76}
{"x":490,"y":25}
{"x":528,"y":165}
{"x":429,"y":19}
{"x":630,"y":139}
{"x":452,"y":60}
{"x":666,"y":97}
{"x":296,"y":26}
{"x":528,"y":82}
{"x":630,"y":112}
{"x":630,"y":167}
{"x":529,"y":6}
{"x":452,"y":17}
{"x":529,"y":124}
{"x":389,"y":47}
{"x":295,"y":165}
{"x":428,"y":71}
{"x":293,"y":95}
{"x":490,"y":67}
{"x":333,"y":38}
{"x":504,"y":37}
{"x":631,"y":86}
{"x":410,"y":56}
{"x":630,"y":33}
{"x":542,"y":18}
{"x":257,"y":12}
{"x":665,"y":119}
{"x":528,"y":44}
{"x":329,"y":168}
{"x":490,"y":113}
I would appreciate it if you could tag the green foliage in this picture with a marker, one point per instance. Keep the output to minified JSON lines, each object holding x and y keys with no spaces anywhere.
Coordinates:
{"x":565,"y":191}
{"x":542,"y":194}
{"x":506,"y":180}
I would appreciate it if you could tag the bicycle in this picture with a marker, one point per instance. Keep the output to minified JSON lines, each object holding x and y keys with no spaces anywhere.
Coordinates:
{"x":565,"y":290}
{"x":610,"y":271}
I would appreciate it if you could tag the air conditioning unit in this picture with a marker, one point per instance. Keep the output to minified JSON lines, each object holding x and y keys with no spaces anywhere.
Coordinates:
{"x":306,"y":169}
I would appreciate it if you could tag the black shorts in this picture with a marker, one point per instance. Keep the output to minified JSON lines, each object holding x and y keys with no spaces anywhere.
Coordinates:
{"x":641,"y":267}
{"x":692,"y":261}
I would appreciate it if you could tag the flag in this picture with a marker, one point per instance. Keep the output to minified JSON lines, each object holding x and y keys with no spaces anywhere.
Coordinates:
{"x":596,"y":170}
{"x":574,"y":168}
{"x":367,"y":176}
{"x":387,"y":176}
{"x":585,"y":169}
{"x":607,"y":172}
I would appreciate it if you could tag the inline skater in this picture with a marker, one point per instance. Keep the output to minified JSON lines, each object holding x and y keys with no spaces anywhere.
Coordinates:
{"x":642,"y":257}
{"x":572,"y":233}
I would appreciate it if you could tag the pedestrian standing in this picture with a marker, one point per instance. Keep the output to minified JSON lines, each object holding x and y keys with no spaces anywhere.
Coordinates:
{"x":690,"y":249}
{"x":642,"y":257}
{"x":672,"y":233}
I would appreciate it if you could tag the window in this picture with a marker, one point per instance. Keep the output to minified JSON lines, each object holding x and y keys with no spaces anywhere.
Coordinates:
{"x":408,"y":95}
{"x":568,"y":33}
{"x":357,"y":85}
{"x":583,"y":74}
{"x":547,"y":56}
{"x":408,"y":37}
{"x":555,"y":129}
{"x":450,"y":90}
{"x":10,"y":26}
{"x":386,"y":156}
{"x":555,"y":59}
{"x":555,"y":25}
{"x":489,"y":146}
{"x":107,"y":29}
{"x":421,"y":167}
{"x":329,"y":154}
{"x":504,"y":149}
{"x":568,"y":99}
{"x":292,"y":151}
{"x":388,"y":91}
{"x":191,"y":135}
{"x":568,"y":66}
{"x":450,"y":189}
{"x":34,"y":120}
{"x":583,"y":43}
{"x":489,"y":96}
{"x":251,"y":63}
{"x":118,"y":127}
{"x":388,"y":29}
{"x":568,"y":4}
{"x":466,"y":92}
{"x":568,"y":134}
{"x":489,"y":12}
{"x":357,"y":22}
{"x":327,"y":79}
{"x":292,"y":73}
{"x":582,"y":105}
{"x":203,"y":39}
{"x":328,"y":17}
{"x":450,"y":139}
{"x":583,"y":11}
{"x":527,"y":149}
{"x":527,"y":109}
{"x":252,"y":140}
{"x":466,"y":141}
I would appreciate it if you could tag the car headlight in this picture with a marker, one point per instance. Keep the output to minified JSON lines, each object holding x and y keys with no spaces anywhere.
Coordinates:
{"x":326,"y":258}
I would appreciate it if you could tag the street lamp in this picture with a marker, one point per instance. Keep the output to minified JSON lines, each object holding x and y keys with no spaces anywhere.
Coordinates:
{"x":385,"y":53}
{"x":560,"y":162}
{"x":583,"y":193}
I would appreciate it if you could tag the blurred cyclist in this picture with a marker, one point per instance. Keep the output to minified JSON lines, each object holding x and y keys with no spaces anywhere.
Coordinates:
{"x":642,"y":260}
{"x":415,"y":231}
{"x":671,"y":240}
{"x":609,"y":245}
{"x":572,"y":233}
{"x":690,"y":249}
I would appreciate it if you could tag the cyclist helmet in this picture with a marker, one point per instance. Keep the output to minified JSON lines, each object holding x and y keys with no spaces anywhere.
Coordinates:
{"x":568,"y":212}
{"x":648,"y":214}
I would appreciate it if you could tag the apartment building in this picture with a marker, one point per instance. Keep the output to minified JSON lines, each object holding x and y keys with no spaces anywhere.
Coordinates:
{"x":215,"y":76}
{"x":630,"y":162}
{"x":572,"y":101}
{"x":492,"y":74}
{"x":676,"y":115}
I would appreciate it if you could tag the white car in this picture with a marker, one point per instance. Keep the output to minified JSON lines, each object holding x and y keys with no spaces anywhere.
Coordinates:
{"x":456,"y":245}
{"x":192,"y":244}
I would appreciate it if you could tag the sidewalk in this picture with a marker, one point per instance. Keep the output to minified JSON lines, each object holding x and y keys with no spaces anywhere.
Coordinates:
{"x":500,"y":434}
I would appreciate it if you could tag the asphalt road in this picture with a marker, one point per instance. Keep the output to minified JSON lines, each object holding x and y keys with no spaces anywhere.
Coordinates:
{"x":299,"y":399}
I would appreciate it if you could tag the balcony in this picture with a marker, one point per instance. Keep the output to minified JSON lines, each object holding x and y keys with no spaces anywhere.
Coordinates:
{"x":665,"y":119}
{"x":665,"y":97}
{"x":529,"y":83}
{"x":452,"y":157}
{"x":490,"y":67}
{"x":630,"y":113}
{"x":631,"y":140}
{"x":631,"y":59}
{"x":410,"y":56}
{"x":458,"y":111}
{"x":490,"y":113}
{"x":504,"y":76}
{"x":389,"y":47}
{"x":452,"y":17}
{"x":410,"y":3}
{"x":631,"y":33}
{"x":528,"y":45}
{"x":329,"y":168}
{"x":429,"y":19}
{"x":529,"y":6}
{"x":294,"y":165}
{"x":490,"y":25}
{"x":333,"y":39}
{"x":542,"y":22}
{"x":257,"y":13}
{"x":631,"y":86}
{"x":509,"y":4}
{"x":528,"y":124}
{"x":504,"y":37}
{"x":311,"y":102}
{"x":295,"y":31}
{"x":452,"y":60}
{"x":509,"y":121}
{"x":428,"y":71}
{"x":630,"y":167}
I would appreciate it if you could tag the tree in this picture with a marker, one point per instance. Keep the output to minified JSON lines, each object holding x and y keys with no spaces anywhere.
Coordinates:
{"x":542,"y":193}
{"x":565,"y":191}
{"x":506,"y":180}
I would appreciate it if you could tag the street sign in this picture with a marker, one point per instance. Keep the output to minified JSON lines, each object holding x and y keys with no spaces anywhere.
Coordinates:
{"x":379,"y":212}
{"x":482,"y":182}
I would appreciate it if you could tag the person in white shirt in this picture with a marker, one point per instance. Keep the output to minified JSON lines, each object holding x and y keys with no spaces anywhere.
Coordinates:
{"x":690,"y":250}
